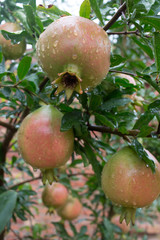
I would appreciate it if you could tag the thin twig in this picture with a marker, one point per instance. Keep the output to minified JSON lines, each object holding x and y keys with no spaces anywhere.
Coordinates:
{"x":136,"y":32}
{"x":25,"y":181}
{"x":115,"y":17}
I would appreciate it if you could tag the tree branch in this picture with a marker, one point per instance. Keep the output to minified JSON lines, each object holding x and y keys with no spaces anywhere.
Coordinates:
{"x":136,"y":32}
{"x":25,"y":181}
{"x":7,"y":125}
{"x":115,"y":17}
{"x":115,"y":131}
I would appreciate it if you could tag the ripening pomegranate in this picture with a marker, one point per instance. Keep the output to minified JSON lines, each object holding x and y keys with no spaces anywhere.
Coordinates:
{"x":75,"y":53}
{"x":71,"y":209}
{"x":54,"y":196}
{"x":9,"y":50}
{"x":42,"y":144}
{"x":127,"y":181}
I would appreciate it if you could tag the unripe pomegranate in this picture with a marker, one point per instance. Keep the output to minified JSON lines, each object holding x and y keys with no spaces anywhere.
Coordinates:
{"x":54,"y":196}
{"x":75,"y":53}
{"x":9,"y":50}
{"x":127,"y":181}
{"x":71,"y":209}
{"x":41,"y":142}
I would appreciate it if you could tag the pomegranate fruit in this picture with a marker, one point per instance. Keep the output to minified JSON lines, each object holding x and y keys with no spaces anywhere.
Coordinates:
{"x":75,"y":53}
{"x":42,"y":144}
{"x":54,"y":196}
{"x":71,"y":209}
{"x":9,"y":50}
{"x":127,"y":181}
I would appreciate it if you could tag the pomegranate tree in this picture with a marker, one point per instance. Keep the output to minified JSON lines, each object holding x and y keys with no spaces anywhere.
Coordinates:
{"x":127,"y":181}
{"x":71,"y":209}
{"x":11,"y":51}
{"x":54,"y":196}
{"x":75,"y":53}
{"x":42,"y":144}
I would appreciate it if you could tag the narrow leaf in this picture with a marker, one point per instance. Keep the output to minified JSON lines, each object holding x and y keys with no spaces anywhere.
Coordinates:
{"x":154,"y":21}
{"x":85,"y":9}
{"x":157,"y":49}
{"x":96,"y":9}
{"x":23,"y":67}
{"x":145,"y":48}
{"x":93,"y":161}
{"x":142,"y":154}
{"x":104,"y":120}
{"x":7,"y":205}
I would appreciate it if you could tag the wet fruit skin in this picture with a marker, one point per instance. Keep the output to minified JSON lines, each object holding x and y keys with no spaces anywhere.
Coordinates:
{"x":11,"y":51}
{"x":76,"y":45}
{"x":55,"y":195}
{"x":71,"y":209}
{"x":127,"y":181}
{"x":40,"y":141}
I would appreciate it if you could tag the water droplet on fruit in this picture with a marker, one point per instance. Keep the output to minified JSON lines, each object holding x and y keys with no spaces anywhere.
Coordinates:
{"x":54,"y":52}
{"x":126,"y":201}
{"x":48,"y":46}
{"x":74,"y":56}
{"x":147,"y":165}
{"x":83,"y":40}
{"x":35,"y":169}
{"x":97,"y":51}
{"x":50,"y":66}
{"x":148,"y":175}
{"x":121,"y":190}
{"x":55,"y":43}
{"x":142,"y":173}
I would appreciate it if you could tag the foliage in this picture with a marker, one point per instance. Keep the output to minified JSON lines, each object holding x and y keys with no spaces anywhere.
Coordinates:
{"x":114,"y":114}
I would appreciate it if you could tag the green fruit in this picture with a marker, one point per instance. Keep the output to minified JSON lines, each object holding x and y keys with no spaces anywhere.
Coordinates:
{"x":127,"y":181}
{"x":42,"y":144}
{"x":9,"y":50}
{"x":75,"y":53}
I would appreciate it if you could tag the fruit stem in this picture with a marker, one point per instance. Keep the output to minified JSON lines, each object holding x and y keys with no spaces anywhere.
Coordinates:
{"x":48,"y":175}
{"x":69,"y":80}
{"x":128,"y":214}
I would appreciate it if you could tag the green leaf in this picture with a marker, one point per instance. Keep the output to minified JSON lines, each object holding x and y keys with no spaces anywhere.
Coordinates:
{"x":155,"y":106}
{"x":154,"y":21}
{"x":30,"y":16}
{"x":53,"y":9}
{"x":149,"y":80}
{"x":93,"y":161}
{"x":14,"y":37}
{"x":104,"y":120}
{"x":142,"y":154}
{"x":85,"y":9}
{"x":95,"y":102}
{"x":146,"y":48}
{"x":7,"y":204}
{"x":144,"y":120}
{"x":116,"y":60}
{"x":115,"y":102}
{"x":157,"y":49}
{"x":145,"y":131}
{"x":96,"y":9}
{"x":23,"y":67}
{"x":70,"y":119}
